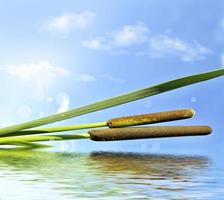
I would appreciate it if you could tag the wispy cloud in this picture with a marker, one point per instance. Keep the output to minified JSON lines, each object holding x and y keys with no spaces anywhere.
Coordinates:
{"x":43,"y":72}
{"x":121,"y":41}
{"x":63,"y":101}
{"x":130,"y":35}
{"x":96,"y":44}
{"x":36,"y":77}
{"x":84,"y":78}
{"x":116,"y":80}
{"x":124,"y":37}
{"x":68,"y":22}
{"x":164,"y":45}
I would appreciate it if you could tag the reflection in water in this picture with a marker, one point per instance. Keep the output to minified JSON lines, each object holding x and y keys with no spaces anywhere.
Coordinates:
{"x":105,"y":175}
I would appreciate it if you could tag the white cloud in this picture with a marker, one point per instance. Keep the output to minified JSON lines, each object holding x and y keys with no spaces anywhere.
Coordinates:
{"x":163,"y":45}
{"x":68,"y":22}
{"x":43,"y":72}
{"x":130,"y":35}
{"x":121,"y":41}
{"x":84,"y":78}
{"x":116,"y":80}
{"x":124,"y":37}
{"x":96,"y":44}
{"x":36,"y":77}
{"x":63,"y":101}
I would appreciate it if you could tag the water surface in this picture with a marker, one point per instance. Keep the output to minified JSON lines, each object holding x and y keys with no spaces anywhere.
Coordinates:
{"x":37,"y":175}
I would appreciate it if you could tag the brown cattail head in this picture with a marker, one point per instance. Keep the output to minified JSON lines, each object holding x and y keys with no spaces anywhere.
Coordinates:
{"x":151,"y":118}
{"x":147,"y":132}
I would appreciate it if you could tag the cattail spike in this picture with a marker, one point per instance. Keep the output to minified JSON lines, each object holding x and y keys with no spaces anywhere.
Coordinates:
{"x":148,"y":132}
{"x":151,"y":118}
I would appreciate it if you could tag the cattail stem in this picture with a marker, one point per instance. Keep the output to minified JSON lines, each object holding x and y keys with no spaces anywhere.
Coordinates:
{"x":116,"y":122}
{"x":23,"y":143}
{"x":115,"y":101}
{"x":118,"y":134}
{"x":56,"y":129}
{"x":42,"y":138}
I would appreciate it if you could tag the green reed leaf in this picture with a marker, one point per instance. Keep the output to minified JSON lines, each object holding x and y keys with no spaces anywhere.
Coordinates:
{"x":115,"y":101}
{"x":26,"y":140}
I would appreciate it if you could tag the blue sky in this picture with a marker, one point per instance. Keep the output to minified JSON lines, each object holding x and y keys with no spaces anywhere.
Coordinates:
{"x":57,"y":55}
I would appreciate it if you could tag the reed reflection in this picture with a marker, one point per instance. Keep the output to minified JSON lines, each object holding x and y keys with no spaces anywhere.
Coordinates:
{"x":102,"y":173}
{"x":160,"y":166}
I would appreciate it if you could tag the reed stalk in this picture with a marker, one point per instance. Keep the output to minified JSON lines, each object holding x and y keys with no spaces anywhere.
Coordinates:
{"x":56,"y":129}
{"x":41,"y":138}
{"x":24,"y":143}
{"x":112,"y":134}
{"x":115,"y":122}
{"x":115,"y":101}
{"x":29,"y":144}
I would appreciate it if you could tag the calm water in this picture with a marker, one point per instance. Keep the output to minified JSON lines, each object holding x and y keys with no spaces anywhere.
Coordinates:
{"x":42,"y":175}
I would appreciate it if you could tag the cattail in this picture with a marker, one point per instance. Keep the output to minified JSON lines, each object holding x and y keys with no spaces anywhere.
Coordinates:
{"x":148,"y":132}
{"x":115,"y":101}
{"x":116,"y":122}
{"x":113,"y":134}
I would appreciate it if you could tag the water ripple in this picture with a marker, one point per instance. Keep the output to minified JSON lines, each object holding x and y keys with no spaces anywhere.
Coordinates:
{"x":37,"y":175}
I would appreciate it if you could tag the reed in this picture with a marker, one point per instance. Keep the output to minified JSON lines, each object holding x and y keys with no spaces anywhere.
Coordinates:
{"x":115,"y":122}
{"x":133,"y":133}
{"x":28,"y":144}
{"x":24,"y":143}
{"x":26,"y":140}
{"x":112,"y":134}
{"x":115,"y":101}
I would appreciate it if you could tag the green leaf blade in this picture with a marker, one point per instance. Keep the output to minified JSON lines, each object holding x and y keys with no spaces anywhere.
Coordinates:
{"x":115,"y":101}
